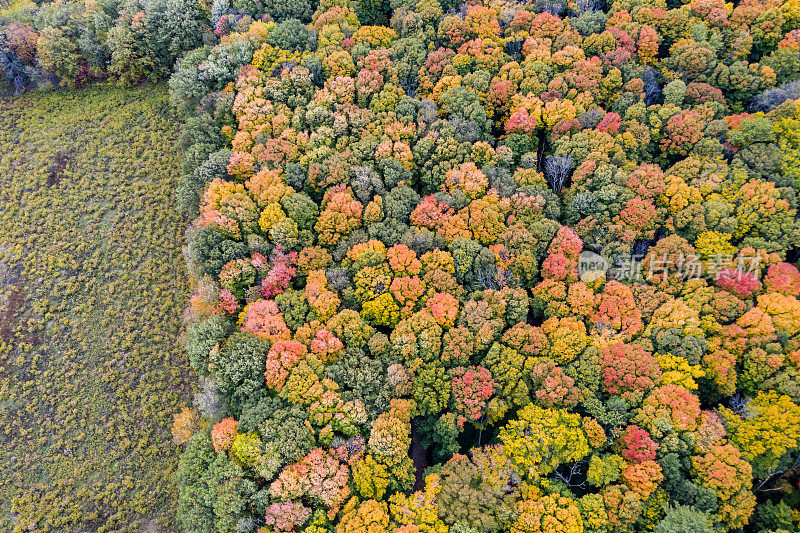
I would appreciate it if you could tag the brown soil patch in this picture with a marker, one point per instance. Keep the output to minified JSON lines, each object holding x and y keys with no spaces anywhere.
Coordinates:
{"x":56,"y":168}
{"x":10,"y":315}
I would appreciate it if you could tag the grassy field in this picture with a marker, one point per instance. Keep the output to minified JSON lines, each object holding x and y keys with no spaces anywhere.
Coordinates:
{"x":91,"y":291}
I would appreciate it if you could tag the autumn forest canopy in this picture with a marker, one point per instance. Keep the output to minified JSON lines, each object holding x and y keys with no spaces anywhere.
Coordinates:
{"x":482,"y":267}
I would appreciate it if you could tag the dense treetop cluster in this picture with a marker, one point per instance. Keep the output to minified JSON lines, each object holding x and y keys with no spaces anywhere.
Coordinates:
{"x":391,"y":316}
{"x":69,"y":44}
{"x":395,"y":319}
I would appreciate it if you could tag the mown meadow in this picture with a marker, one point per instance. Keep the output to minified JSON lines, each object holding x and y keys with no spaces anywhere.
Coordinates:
{"x":91,"y":292}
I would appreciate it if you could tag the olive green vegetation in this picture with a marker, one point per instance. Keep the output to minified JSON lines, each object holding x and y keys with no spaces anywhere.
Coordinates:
{"x":91,"y":292}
